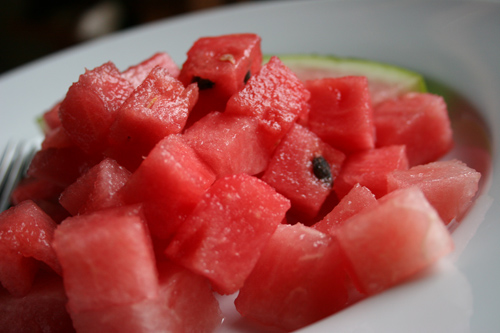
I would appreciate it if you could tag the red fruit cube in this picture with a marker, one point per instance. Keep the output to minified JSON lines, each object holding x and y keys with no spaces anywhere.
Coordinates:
{"x":90,"y":105}
{"x":298,"y":279}
{"x":275,"y":96}
{"x":169,"y":182}
{"x":137,"y":73}
{"x":224,"y":235}
{"x":157,"y":108}
{"x":418,"y":120}
{"x":341,"y":112}
{"x":96,"y":189}
{"x":303,"y":168}
{"x":370,"y":168}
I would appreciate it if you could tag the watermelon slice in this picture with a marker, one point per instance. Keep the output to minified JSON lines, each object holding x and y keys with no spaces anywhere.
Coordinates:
{"x":137,"y":73}
{"x":385,"y":81}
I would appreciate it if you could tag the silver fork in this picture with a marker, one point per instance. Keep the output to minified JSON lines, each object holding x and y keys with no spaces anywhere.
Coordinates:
{"x":16,"y":158}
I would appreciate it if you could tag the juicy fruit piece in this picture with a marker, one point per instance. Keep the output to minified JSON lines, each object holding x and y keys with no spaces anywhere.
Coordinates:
{"x":96,"y":189}
{"x":370,"y":168}
{"x":90,"y":105}
{"x":43,"y":309}
{"x":224,"y":235}
{"x":137,"y":74}
{"x":419,"y":121}
{"x":449,"y":186}
{"x":390,"y":242}
{"x":385,"y":81}
{"x":158,"y":107}
{"x":297,"y":280}
{"x":341,"y":112}
{"x":229,"y":144}
{"x":303,"y":168}
{"x":107,"y":259}
{"x":276,"y":97}
{"x":356,"y":200}
{"x":221,"y":66}
{"x":17,"y":272}
{"x":169,"y":183}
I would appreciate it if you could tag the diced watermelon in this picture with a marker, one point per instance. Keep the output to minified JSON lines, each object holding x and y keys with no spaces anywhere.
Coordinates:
{"x":229,"y":144}
{"x":137,"y":73}
{"x":157,"y":108}
{"x":357,"y":199}
{"x":17,"y":272}
{"x":169,"y":182}
{"x":35,"y":189}
{"x":223,"y":237}
{"x":370,"y":168}
{"x":418,"y":120}
{"x":297,"y":280}
{"x":26,"y":228}
{"x":275,"y":96}
{"x":449,"y":186}
{"x":303,"y":169}
{"x":42,"y":310}
{"x":107,"y":259}
{"x":388,"y":243}
{"x":96,"y":189}
{"x":221,"y":66}
{"x":57,"y":138}
{"x":89,"y":107}
{"x":51,"y":119}
{"x":341,"y":112}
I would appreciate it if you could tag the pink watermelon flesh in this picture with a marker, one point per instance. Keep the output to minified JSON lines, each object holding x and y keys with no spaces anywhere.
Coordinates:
{"x":275,"y":96}
{"x":96,"y":189}
{"x":418,"y":120}
{"x":57,"y":138}
{"x":449,"y":186}
{"x":220,"y":66}
{"x":169,"y":182}
{"x":393,"y":240}
{"x":107,"y":259}
{"x":42,"y":310}
{"x":357,"y":199}
{"x":224,"y":235}
{"x":370,"y":168}
{"x":297,"y":280}
{"x":17,"y":272}
{"x":303,"y":168}
{"x":137,"y":74}
{"x":90,"y":105}
{"x":27,"y":229}
{"x":156,"y":108}
{"x":51,"y":119}
{"x":341,"y":112}
{"x":229,"y":144}
{"x":30,"y":188}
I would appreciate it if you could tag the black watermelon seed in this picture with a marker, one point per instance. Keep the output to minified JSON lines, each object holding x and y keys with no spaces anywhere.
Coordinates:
{"x":247,"y":77}
{"x":203,"y":84}
{"x":321,"y":169}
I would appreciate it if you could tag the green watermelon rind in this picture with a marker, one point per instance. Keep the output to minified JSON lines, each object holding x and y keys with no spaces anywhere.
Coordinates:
{"x":385,"y":80}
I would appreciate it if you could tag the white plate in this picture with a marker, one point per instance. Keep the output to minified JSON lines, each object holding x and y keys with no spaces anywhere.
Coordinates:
{"x":453,"y":42}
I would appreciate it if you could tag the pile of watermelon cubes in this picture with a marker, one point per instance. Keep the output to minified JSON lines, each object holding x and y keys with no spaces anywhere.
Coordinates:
{"x":158,"y":187}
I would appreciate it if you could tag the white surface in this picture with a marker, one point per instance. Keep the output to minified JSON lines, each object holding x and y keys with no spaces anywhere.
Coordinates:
{"x":455,"y":42}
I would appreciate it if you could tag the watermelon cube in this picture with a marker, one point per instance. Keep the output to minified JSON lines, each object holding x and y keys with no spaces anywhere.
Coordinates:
{"x":303,"y":168}
{"x":224,"y":235}
{"x":370,"y":168}
{"x":107,"y":259}
{"x":418,"y":120}
{"x":386,"y":244}
{"x":57,"y":138}
{"x":229,"y":144}
{"x":276,"y":97}
{"x":50,"y":119}
{"x":43,"y":309}
{"x":169,"y":182}
{"x":30,"y":188}
{"x":449,"y":186}
{"x":156,"y":108}
{"x":89,"y":107}
{"x":356,"y":200}
{"x":96,"y":189}
{"x":298,"y":279}
{"x":221,"y":66}
{"x":17,"y":272}
{"x":341,"y":112}
{"x":137,"y":73}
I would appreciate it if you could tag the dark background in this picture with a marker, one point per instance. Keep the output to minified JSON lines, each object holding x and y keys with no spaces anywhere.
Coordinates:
{"x":35,"y":28}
